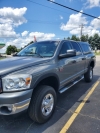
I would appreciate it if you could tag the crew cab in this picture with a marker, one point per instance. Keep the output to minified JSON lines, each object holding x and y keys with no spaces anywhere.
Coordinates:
{"x":31,"y":79}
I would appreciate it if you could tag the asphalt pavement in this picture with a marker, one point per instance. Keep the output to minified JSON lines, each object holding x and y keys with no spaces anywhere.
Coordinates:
{"x":87,"y":121}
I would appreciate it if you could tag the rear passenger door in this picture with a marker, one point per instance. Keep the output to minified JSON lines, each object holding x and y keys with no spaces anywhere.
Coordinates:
{"x":79,"y":58}
{"x":87,"y":53}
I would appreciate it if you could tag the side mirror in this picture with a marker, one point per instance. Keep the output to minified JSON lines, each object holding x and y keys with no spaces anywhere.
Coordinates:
{"x":69,"y":53}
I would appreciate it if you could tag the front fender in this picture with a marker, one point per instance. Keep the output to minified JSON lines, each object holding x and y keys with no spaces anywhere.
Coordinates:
{"x":44,"y":77}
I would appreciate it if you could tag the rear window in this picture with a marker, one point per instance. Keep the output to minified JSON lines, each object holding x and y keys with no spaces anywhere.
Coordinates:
{"x":86,"y":47}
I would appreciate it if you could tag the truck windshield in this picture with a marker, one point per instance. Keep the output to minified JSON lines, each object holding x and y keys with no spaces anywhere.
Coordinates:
{"x":41,"y":49}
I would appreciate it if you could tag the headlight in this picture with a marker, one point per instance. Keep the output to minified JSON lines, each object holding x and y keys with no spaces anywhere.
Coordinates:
{"x":16,"y":82}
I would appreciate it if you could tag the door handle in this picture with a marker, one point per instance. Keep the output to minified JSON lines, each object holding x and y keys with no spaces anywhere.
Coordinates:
{"x":74,"y":61}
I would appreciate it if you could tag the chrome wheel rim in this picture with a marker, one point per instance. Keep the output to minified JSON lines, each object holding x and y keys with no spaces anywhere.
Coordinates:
{"x":91,"y":74}
{"x":47,"y":104}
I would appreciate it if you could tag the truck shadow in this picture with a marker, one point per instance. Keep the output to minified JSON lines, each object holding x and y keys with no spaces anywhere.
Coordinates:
{"x":23,"y":124}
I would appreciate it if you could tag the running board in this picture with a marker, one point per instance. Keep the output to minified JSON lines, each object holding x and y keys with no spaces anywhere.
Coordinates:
{"x":73,"y":83}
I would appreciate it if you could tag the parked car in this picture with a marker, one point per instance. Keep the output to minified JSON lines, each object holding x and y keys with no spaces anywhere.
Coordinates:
{"x":33,"y":77}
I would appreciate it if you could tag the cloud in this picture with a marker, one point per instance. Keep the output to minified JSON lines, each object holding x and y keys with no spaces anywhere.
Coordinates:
{"x":74,"y":22}
{"x":21,"y":42}
{"x":61,"y":17}
{"x":9,"y":19}
{"x":7,"y":31}
{"x":13,"y":15}
{"x":92,"y":3}
{"x":96,"y":23}
{"x":52,"y":0}
{"x":86,"y":30}
{"x":41,"y":36}
{"x":24,"y":33}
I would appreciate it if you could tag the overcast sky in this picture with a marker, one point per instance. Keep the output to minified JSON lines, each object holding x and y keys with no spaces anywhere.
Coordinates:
{"x":20,"y":20}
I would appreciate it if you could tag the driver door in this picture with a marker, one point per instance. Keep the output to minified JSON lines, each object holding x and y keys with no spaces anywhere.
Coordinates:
{"x":67,"y":66}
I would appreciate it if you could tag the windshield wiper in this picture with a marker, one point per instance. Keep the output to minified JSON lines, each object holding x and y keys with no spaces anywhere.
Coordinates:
{"x":31,"y":54}
{"x":39,"y":55}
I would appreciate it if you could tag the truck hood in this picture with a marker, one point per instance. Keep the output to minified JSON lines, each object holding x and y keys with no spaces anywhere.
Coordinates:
{"x":16,"y":63}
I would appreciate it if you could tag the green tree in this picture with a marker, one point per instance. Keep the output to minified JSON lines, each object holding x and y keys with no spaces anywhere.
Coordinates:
{"x":84,"y":38}
{"x":87,"y":37}
{"x":18,"y":50}
{"x":90,"y":40}
{"x":11,"y":49}
{"x":75,"y":38}
{"x":68,"y":38}
{"x":94,"y":41}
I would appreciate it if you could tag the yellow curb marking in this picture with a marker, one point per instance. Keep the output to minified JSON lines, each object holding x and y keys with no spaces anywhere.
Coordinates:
{"x":77,"y":111}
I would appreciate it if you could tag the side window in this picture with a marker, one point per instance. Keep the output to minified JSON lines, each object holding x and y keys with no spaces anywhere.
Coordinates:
{"x":90,"y":48}
{"x":66,"y":46}
{"x":86,"y":47}
{"x":76,"y":47}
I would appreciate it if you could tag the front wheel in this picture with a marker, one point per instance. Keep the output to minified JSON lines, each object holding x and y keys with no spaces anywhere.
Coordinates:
{"x":88,"y":76}
{"x":42,"y":104}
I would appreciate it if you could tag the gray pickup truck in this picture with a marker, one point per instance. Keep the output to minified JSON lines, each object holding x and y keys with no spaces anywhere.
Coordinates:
{"x":31,"y":79}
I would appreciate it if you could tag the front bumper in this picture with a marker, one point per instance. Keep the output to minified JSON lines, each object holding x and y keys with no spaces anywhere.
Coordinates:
{"x":12,"y":103}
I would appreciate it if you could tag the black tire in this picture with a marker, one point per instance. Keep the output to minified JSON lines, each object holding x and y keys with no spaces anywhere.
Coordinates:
{"x":88,"y":76}
{"x":35,"y":108}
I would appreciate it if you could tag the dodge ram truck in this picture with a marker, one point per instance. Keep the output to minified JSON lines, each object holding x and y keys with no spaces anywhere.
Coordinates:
{"x":32,"y":78}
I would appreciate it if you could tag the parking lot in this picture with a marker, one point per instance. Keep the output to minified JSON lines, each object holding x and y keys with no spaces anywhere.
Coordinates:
{"x":86,"y":121}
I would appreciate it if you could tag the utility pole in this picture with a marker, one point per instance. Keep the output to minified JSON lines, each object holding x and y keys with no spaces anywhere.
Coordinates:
{"x":81,"y":26}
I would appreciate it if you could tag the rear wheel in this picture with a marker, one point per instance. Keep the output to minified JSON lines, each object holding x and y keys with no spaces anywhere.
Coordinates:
{"x":88,"y":76}
{"x":42,"y":104}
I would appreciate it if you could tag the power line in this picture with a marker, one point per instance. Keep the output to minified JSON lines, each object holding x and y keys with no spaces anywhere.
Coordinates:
{"x":73,"y":9}
{"x":45,"y":6}
{"x":43,"y":22}
{"x":33,"y":21}
{"x":37,"y":21}
{"x":40,"y":21}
